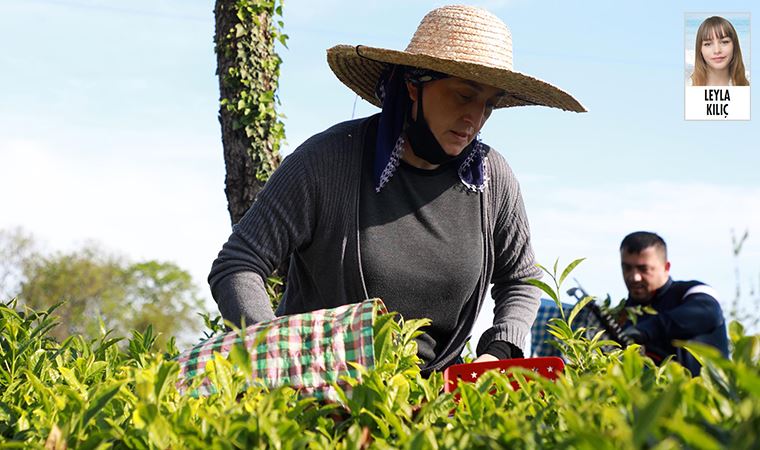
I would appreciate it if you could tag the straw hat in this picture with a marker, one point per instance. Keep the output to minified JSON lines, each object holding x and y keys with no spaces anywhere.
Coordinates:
{"x":462,"y":41}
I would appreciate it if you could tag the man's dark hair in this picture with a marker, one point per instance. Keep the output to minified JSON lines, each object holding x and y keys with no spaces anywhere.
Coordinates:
{"x":641,"y":240}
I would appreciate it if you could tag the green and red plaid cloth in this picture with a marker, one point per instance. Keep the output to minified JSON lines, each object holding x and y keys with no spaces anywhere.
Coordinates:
{"x":309,"y":351}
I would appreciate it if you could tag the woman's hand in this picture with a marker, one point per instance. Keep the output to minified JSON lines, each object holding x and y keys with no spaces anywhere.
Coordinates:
{"x":485,"y":357}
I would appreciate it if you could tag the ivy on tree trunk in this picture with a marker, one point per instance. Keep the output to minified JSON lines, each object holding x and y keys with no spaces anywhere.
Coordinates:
{"x":248,"y":69}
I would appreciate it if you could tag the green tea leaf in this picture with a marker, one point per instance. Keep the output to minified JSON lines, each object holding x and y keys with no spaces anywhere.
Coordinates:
{"x":99,"y":401}
{"x":165,"y":378}
{"x":646,"y":418}
{"x":570,"y":267}
{"x":577,"y":308}
{"x":544,"y":287}
{"x":694,"y":436}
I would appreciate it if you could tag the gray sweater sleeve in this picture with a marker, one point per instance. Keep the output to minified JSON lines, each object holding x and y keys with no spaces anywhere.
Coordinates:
{"x":242,"y":298}
{"x":280,"y":220}
{"x":516,"y":303}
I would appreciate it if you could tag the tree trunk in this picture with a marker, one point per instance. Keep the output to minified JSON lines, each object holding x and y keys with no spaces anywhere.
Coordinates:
{"x":248,"y":70}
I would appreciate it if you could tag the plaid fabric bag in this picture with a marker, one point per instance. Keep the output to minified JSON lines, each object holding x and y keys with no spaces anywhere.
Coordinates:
{"x":307,"y":351}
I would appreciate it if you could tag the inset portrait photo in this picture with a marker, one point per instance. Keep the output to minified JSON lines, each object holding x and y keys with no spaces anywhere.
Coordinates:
{"x":717,"y":66}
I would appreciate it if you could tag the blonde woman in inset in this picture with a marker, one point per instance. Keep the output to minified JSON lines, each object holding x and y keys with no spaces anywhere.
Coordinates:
{"x":717,"y":55}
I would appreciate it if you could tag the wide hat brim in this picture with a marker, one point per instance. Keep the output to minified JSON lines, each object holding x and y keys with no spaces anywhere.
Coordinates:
{"x":360,"y":67}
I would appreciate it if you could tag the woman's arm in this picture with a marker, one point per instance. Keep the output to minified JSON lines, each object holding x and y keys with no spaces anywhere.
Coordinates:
{"x":516,"y":302}
{"x":280,"y":220}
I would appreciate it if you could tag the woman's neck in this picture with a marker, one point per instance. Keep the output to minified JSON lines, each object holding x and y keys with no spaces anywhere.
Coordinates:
{"x":718,"y":77}
{"x":415,"y":161}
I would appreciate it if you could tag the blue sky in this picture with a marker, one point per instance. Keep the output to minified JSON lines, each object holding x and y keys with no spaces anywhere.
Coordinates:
{"x":109,"y":131}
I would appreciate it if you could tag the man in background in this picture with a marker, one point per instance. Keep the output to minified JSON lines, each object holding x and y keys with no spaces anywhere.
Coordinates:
{"x":686,"y":310}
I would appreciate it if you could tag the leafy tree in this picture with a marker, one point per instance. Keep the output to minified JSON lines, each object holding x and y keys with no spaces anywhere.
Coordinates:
{"x":92,"y":285}
{"x":100,"y":290}
{"x":15,"y":246}
{"x":162,"y":293}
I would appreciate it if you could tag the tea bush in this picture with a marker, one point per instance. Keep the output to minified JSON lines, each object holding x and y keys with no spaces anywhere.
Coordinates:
{"x":95,"y":394}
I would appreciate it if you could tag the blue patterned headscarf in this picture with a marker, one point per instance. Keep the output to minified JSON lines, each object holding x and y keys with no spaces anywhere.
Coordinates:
{"x":392,"y":92}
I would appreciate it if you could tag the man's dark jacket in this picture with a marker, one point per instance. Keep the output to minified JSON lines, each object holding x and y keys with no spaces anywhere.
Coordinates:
{"x":686,"y":310}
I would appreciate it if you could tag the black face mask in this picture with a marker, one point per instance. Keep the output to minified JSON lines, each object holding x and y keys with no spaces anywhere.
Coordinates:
{"x":423,"y":142}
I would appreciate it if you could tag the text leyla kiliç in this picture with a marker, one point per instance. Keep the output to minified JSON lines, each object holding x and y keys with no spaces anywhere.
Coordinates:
{"x":718,"y":101}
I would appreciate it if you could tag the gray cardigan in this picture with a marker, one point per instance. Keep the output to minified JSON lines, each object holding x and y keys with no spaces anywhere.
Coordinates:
{"x":309,"y":211}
